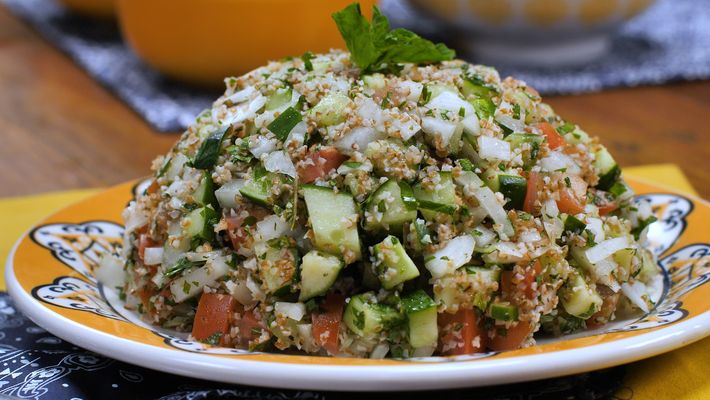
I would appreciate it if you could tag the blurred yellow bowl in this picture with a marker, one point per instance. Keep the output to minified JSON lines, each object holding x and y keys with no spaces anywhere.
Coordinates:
{"x":202,"y":41}
{"x":91,"y":8}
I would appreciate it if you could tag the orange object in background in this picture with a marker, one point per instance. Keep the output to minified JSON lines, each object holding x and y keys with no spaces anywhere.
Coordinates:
{"x":203,"y":41}
{"x":91,"y":8}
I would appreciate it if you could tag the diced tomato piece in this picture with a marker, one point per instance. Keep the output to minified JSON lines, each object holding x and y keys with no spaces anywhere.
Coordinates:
{"x":554,"y":140}
{"x":533,"y":186}
{"x":144,"y":241}
{"x":461,"y":333}
{"x":237,"y":230}
{"x":247,"y":324}
{"x":213,"y":316}
{"x":322,"y":162}
{"x":326,"y":324}
{"x":568,"y":203}
{"x":607,"y":208}
{"x":153,"y":187}
{"x":511,"y":338}
{"x":526,"y":284}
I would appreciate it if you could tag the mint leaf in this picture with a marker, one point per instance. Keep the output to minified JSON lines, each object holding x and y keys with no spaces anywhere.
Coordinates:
{"x":374,"y":47}
{"x":358,"y":34}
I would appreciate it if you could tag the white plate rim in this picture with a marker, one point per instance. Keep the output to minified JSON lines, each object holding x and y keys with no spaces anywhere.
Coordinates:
{"x":414,"y":376}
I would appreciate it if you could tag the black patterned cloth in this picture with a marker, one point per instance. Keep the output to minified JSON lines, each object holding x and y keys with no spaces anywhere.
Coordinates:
{"x":35,"y":364}
{"x":669,"y":42}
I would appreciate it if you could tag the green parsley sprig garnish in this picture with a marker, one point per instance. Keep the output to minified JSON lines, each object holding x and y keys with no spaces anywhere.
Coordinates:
{"x":374,"y":47}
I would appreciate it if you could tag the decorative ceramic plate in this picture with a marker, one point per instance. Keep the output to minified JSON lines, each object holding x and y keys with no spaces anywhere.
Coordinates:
{"x":50,"y":276}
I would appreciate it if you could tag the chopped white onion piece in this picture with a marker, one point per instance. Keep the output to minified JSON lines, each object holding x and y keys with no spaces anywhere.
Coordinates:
{"x":281,"y":163}
{"x":595,"y":226}
{"x":259,"y":145}
{"x":294,"y":311}
{"x":484,"y":236}
{"x":380,"y":351}
{"x":110,"y":272}
{"x":358,"y":139}
{"x":272,"y":227}
{"x":606,"y":249}
{"x":153,"y":255}
{"x":298,"y":133}
{"x":493,"y":149}
{"x":495,"y":210}
{"x":241,"y":293}
{"x":556,"y":161}
{"x":636,"y":292}
{"x":456,"y":253}
{"x":438,"y":127}
{"x":227,"y":194}
{"x":241,"y":95}
{"x":530,"y":236}
{"x":410,"y":89}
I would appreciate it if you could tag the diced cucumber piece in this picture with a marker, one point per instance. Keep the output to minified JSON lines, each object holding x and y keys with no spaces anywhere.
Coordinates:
{"x":278,"y":268}
{"x":625,"y":259}
{"x":419,"y":235}
{"x":484,"y":107}
{"x":200,"y":223}
{"x":208,"y":152}
{"x":442,"y":200}
{"x":333,"y":217}
{"x":578,"y":298}
{"x":473,"y":86}
{"x":392,"y":264}
{"x":282,"y":125}
{"x":433,"y":90}
{"x":510,"y":184}
{"x":577,"y":136}
{"x":467,"y":286}
{"x":258,"y":187}
{"x":504,"y":312}
{"x":649,"y":267}
{"x":390,"y":206}
{"x":331,"y":109}
{"x":513,"y":188}
{"x":280,"y":97}
{"x":573,"y":225}
{"x":607,"y":169}
{"x":365,"y":317}
{"x":421,"y":318}
{"x":485,"y":276}
{"x":205,"y":193}
{"x":318,"y":273}
{"x":517,"y":140}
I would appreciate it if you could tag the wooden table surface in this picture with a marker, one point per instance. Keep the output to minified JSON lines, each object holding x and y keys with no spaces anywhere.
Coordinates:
{"x":61,"y":130}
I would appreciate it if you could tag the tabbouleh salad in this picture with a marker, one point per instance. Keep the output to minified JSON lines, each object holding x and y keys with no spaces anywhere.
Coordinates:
{"x":390,"y":201}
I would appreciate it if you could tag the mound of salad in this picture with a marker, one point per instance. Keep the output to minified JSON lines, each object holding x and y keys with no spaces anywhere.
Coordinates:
{"x":389,"y":201}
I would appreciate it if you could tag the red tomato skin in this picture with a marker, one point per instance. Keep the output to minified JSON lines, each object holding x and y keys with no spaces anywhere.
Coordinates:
{"x":318,"y":169}
{"x":568,"y":204}
{"x":513,"y":339}
{"x":213,"y":316}
{"x":326,"y":324}
{"x":470,"y":328}
{"x":533,"y":186}
{"x":554,"y":140}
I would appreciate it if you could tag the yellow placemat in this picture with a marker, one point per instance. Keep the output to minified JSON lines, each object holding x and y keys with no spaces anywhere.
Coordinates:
{"x":677,"y":375}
